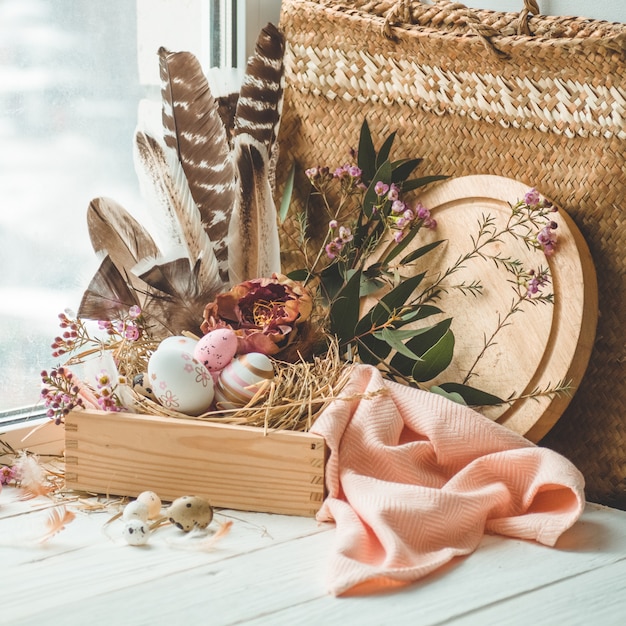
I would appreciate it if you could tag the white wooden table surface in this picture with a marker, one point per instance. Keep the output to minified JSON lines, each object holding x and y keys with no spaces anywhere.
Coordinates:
{"x":270,"y":569}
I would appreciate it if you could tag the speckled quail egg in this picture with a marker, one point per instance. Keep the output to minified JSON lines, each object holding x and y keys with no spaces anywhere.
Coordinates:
{"x":152,"y":501}
{"x":136,"y":532}
{"x":189,"y":512}
{"x":136,"y":510}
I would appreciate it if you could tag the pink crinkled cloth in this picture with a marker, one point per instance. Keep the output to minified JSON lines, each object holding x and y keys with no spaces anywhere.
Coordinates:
{"x":414,"y":480}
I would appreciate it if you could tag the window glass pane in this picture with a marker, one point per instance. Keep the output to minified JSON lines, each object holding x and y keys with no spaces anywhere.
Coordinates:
{"x":72,"y":74}
{"x":68,"y":109}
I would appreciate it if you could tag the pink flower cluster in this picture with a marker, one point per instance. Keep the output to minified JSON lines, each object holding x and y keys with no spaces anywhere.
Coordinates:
{"x":401,"y":217}
{"x":7,"y":474}
{"x":348,"y":175}
{"x":535,"y":281}
{"x":335,"y":246}
{"x":546,"y":238}
{"x":105,"y":393}
{"x":348,"y":172}
{"x":541,"y":207}
{"x":67,"y":340}
{"x":127,"y":328}
{"x":60,"y":393}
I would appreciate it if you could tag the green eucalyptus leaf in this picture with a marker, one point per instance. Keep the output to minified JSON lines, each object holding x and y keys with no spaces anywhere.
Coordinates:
{"x":344,"y":310}
{"x":332,"y":280}
{"x":415,"y":183}
{"x":393,"y":338}
{"x":375,"y":269}
{"x":383,"y":174}
{"x":373,"y":350}
{"x":420,"y":252}
{"x":403,"y":169}
{"x":422,"y":343}
{"x":397,"y":248}
{"x":393,"y":300}
{"x":398,"y":334}
{"x":455,"y":397}
{"x":471,"y":395}
{"x":287,"y":193}
{"x":370,"y":285}
{"x":366,"y":156}
{"x":385,"y":149}
{"x":436,"y":359}
{"x":299,"y":275}
{"x":421,"y":311}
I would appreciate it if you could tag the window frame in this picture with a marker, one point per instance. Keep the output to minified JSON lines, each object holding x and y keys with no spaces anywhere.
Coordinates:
{"x":27,"y":425}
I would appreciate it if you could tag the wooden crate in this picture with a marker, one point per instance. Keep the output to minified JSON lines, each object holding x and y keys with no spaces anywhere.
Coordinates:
{"x":236,"y":467}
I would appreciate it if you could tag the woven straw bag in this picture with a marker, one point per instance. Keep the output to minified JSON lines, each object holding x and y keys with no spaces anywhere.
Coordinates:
{"x":534,"y":98}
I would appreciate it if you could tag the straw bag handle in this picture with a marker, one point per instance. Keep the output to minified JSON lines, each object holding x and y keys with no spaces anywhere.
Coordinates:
{"x":451,"y":12}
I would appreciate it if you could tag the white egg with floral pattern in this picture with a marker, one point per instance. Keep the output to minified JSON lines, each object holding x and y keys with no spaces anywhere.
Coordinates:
{"x":178,"y":380}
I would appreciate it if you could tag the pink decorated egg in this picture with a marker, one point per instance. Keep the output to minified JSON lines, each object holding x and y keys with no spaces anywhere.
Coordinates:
{"x":241,"y":379}
{"x":216,"y":349}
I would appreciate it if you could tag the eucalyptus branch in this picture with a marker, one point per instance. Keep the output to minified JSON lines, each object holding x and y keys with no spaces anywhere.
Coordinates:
{"x":389,"y":369}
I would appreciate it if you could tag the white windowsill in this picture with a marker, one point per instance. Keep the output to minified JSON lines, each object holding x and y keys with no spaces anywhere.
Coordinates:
{"x":39,"y":435}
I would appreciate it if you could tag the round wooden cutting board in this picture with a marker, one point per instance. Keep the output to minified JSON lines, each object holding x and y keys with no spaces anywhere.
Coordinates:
{"x":544,"y":344}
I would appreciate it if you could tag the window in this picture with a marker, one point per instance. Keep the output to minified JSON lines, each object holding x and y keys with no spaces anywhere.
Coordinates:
{"x":71,"y":77}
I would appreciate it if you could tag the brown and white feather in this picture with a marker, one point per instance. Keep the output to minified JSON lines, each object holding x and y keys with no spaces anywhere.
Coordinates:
{"x":108,"y":293}
{"x":253,"y":225}
{"x":114,"y":232}
{"x":259,"y":106}
{"x":165,"y":186}
{"x":194,"y":129}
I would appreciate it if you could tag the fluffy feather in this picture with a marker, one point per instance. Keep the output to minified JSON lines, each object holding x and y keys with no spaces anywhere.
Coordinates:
{"x":163,"y":184}
{"x":220,"y":533}
{"x":32,"y":477}
{"x":177,"y":296}
{"x":58,"y":519}
{"x":253,"y":225}
{"x":194,"y":129}
{"x":108,"y":293}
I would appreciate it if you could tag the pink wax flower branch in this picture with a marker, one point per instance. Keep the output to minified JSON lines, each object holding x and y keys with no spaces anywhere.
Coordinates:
{"x":125,"y":339}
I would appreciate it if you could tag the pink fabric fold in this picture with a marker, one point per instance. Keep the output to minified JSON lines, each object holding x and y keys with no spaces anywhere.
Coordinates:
{"x":414,"y":480}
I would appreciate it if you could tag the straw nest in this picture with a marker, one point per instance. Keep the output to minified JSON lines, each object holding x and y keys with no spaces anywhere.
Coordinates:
{"x":293,"y":400}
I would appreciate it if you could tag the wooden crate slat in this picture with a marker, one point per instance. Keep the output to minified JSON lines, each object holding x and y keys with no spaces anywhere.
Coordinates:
{"x":232,"y":466}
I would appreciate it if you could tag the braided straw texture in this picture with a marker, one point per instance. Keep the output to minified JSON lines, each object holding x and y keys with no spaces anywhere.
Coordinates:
{"x":547,"y":109}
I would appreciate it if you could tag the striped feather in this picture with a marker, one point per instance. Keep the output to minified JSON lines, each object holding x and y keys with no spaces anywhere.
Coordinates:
{"x":194,"y":129}
{"x":253,"y":224}
{"x":254,"y":242}
{"x":260,"y":98}
{"x":165,"y":186}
